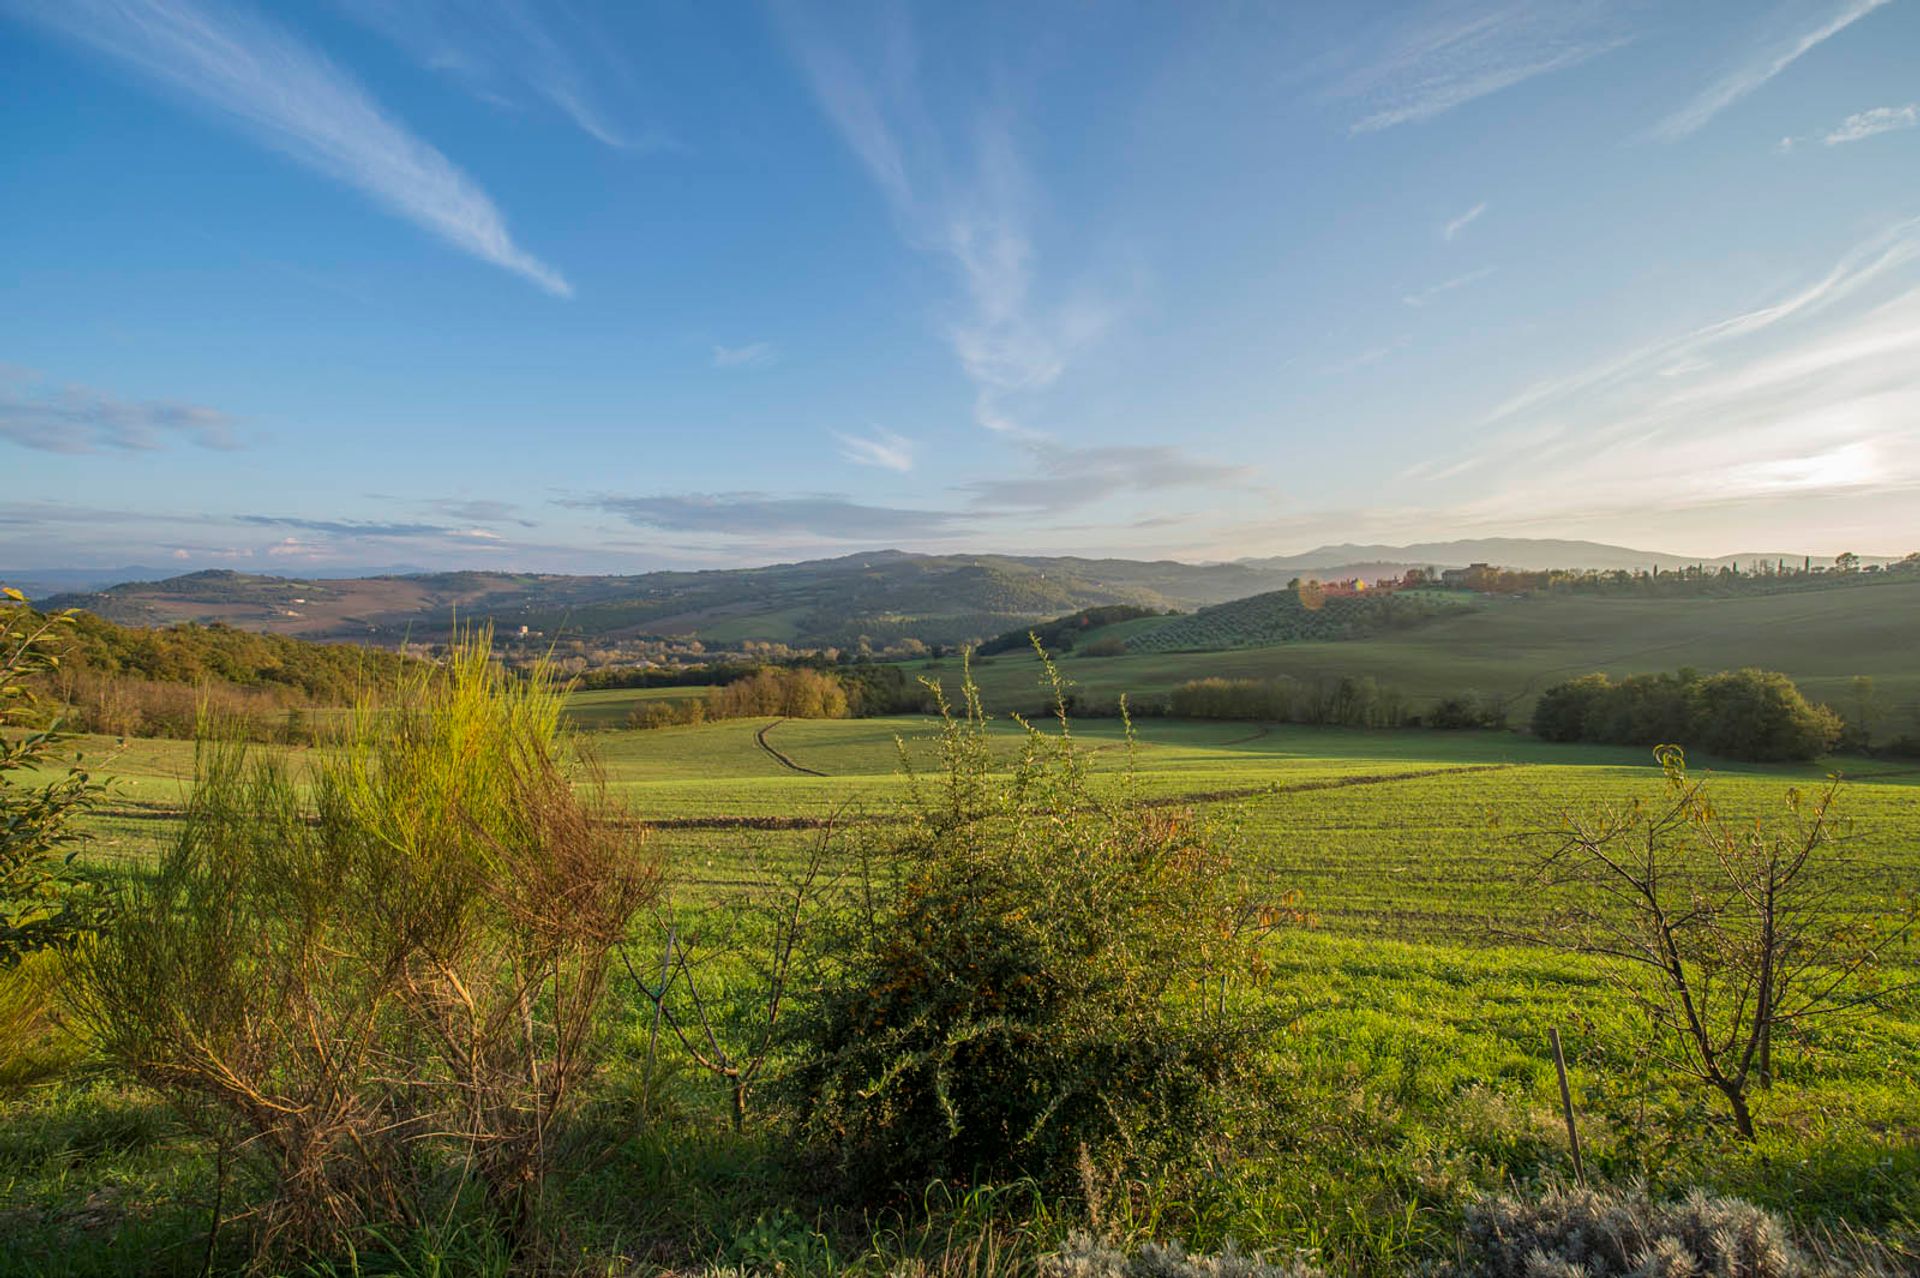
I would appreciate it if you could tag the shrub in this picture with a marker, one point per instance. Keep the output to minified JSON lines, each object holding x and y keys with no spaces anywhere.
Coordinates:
{"x":1759,"y":714}
{"x":1587,"y":1233}
{"x":33,"y":1043}
{"x":668,"y":713}
{"x":1467,"y":710}
{"x":1564,"y":710}
{"x":1020,"y":977}
{"x":44,"y":902}
{"x":1082,"y":1257}
{"x":389,"y":990}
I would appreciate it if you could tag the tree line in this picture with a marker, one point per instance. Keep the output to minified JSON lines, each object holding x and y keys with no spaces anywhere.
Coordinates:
{"x":1750,"y":714}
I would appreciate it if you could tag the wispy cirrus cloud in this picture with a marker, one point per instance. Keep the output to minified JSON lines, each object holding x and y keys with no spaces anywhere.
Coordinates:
{"x":973,"y":212}
{"x":1445,"y":55}
{"x":1857,"y":271}
{"x":1421,"y":297}
{"x":882,"y":449}
{"x":1452,"y":229}
{"x":746,"y":515}
{"x":482,"y":511}
{"x":345,"y":527}
{"x":752,"y":355}
{"x":503,"y":49}
{"x":79,"y":419}
{"x":1065,"y":478}
{"x":1866,"y":124}
{"x":1814,"y":398}
{"x":1760,"y":68}
{"x":288,"y":95}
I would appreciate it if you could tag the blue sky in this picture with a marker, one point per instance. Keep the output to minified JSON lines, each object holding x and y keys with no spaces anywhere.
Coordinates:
{"x":342,"y":283}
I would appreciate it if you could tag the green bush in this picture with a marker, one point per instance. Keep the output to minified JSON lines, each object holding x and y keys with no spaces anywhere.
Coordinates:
{"x":1563,"y":710}
{"x":1759,"y":714}
{"x":1023,"y":977}
{"x":44,"y":901}
{"x":1740,"y":714}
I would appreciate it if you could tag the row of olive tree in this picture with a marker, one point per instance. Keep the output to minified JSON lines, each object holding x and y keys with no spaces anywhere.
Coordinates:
{"x":1349,"y":701}
{"x":1737,"y":714}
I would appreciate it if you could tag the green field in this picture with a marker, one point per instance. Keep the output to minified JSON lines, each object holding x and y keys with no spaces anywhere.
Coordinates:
{"x":1375,"y":825}
{"x":1416,"y":1074}
{"x":1515,"y":647}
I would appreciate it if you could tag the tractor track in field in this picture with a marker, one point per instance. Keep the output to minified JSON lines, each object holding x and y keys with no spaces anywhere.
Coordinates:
{"x":736,"y":822}
{"x":784,"y":760}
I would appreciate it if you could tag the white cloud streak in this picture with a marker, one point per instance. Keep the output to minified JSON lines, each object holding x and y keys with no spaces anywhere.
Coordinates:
{"x":1744,"y":79}
{"x":883,"y":450}
{"x":290,"y":97}
{"x":1814,"y":398}
{"x":499,"y":48}
{"x":1865,"y":124}
{"x":972,"y":215}
{"x":1450,"y":54}
{"x":1461,"y":223}
{"x":1425,"y":295}
{"x":752,"y":355}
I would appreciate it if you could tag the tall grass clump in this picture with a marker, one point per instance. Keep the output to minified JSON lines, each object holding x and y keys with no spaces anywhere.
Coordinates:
{"x":377,"y":984}
{"x":1036,"y":964}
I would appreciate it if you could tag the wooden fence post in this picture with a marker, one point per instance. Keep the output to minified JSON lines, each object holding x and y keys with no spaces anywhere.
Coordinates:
{"x":1566,"y":1107}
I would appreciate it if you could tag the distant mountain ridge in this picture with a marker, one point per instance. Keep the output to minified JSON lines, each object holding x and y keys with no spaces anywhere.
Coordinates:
{"x":882,"y":596}
{"x":1528,"y":554}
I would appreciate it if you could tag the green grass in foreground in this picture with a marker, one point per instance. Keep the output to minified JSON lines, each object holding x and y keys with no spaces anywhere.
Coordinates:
{"x":1415,"y":1076}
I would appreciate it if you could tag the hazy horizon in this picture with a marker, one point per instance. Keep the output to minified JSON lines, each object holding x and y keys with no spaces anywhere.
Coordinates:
{"x":338,"y":285}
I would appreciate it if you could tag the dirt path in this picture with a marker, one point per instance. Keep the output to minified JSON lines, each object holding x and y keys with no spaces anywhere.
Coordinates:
{"x":784,"y":760}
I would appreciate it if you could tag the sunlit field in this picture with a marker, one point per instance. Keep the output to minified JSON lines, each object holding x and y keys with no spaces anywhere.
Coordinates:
{"x":1417,"y":1065}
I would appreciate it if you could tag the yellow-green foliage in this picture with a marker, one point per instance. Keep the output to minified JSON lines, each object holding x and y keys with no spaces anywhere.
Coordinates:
{"x":796,"y":692}
{"x":401,"y":974}
{"x":33,"y":1043}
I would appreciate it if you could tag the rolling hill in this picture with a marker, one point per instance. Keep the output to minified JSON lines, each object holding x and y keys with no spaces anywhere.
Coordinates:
{"x":1513,"y":647}
{"x":883,"y":595}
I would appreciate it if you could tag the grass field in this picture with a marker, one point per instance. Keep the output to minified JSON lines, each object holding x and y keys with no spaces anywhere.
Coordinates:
{"x":1516,"y":647}
{"x":1415,"y":1075}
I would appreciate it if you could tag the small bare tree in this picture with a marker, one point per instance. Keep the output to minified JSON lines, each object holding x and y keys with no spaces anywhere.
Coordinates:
{"x":726,"y":985}
{"x":1729,"y":935}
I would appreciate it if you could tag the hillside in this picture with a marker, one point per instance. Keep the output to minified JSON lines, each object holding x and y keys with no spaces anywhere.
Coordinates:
{"x":1293,"y":616}
{"x":884,"y":595}
{"x":1530,"y":554}
{"x":1513,"y":647}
